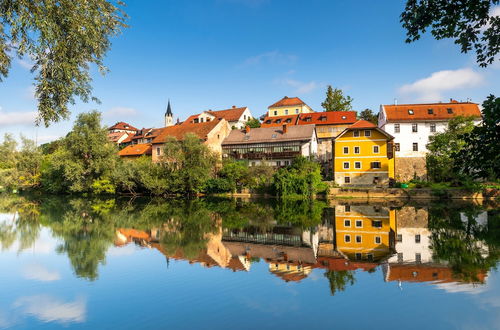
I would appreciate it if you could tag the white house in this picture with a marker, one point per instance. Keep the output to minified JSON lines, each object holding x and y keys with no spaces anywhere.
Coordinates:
{"x":412,"y":124}
{"x":236,"y":117}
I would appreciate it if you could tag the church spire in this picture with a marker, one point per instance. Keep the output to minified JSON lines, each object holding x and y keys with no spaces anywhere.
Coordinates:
{"x":169,"y":116}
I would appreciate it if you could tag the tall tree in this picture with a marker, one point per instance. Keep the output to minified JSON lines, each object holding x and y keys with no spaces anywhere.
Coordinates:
{"x":480,"y":157}
{"x":62,"y":38}
{"x":471,"y":23}
{"x":368,"y":115}
{"x":336,"y":101}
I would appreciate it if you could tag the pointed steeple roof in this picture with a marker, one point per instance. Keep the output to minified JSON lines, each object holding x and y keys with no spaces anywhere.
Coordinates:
{"x":169,"y":110}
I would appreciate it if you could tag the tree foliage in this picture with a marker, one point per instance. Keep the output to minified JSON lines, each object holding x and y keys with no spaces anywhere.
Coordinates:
{"x":480,"y":156}
{"x":253,"y":123}
{"x":339,"y":280}
{"x":302,"y":178}
{"x":469,"y":22}
{"x":62,"y":38}
{"x":369,"y":115}
{"x":336,"y":101}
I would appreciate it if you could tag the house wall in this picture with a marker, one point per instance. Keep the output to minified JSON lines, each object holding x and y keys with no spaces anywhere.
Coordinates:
{"x":217,"y":135}
{"x":240,"y":124}
{"x":365,"y":175}
{"x":289,"y":110}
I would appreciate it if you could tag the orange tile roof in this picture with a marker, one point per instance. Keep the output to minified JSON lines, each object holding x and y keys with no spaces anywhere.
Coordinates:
{"x":179,"y":131}
{"x":363,"y":124}
{"x":123,"y":125}
{"x":136,"y":150}
{"x":327,"y":118}
{"x":279,"y":121}
{"x":287,"y":101}
{"x":401,"y":112}
{"x":232,"y":114}
{"x":146,"y":133}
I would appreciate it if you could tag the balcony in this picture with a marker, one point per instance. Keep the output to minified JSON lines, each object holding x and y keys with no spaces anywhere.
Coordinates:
{"x":265,"y":155}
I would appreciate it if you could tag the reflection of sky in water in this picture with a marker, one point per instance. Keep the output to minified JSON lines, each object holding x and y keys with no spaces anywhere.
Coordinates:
{"x":138,"y":288}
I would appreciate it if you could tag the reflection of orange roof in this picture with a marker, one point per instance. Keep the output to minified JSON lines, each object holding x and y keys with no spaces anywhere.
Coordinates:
{"x":123,"y":126}
{"x":133,"y":233}
{"x":425,"y":273}
{"x":340,"y":264}
{"x":235,"y":264}
{"x":287,"y":101}
{"x":136,"y":150}
{"x":327,"y":118}
{"x":290,"y":276}
{"x":179,"y":131}
{"x":279,"y":121}
{"x":431,"y":111}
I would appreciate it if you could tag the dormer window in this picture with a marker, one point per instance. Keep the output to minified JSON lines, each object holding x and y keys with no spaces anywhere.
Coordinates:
{"x":268,"y":121}
{"x":247,"y":137}
{"x":289,"y":120}
{"x":410,"y":112}
{"x":450,"y":110}
{"x":344,"y":117}
{"x":430,"y":111}
{"x":278,"y":121}
{"x":273,"y":136}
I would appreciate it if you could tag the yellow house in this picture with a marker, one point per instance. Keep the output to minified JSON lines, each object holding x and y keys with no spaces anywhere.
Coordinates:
{"x":363,"y":156}
{"x":365,"y":232}
{"x":288,"y":106}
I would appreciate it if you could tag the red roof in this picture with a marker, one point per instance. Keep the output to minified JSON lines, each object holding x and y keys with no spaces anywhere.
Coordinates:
{"x":431,"y":111}
{"x":287,"y":101}
{"x":279,"y":121}
{"x":136,"y":150}
{"x":363,"y":124}
{"x":123,"y":126}
{"x":115,"y":136}
{"x":179,"y":131}
{"x":232,"y":114}
{"x":327,"y":118}
{"x":146,"y":133}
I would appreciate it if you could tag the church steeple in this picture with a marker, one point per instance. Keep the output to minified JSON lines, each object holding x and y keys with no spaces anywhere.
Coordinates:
{"x":169,"y":116}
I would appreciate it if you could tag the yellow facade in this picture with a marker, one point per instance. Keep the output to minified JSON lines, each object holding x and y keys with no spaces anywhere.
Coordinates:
{"x":363,"y":157}
{"x":365,"y":232}
{"x":289,"y":110}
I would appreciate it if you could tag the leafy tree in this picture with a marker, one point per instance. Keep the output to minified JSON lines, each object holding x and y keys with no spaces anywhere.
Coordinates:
{"x":63,"y":38}
{"x":84,"y":157}
{"x":469,"y":22}
{"x":480,"y":156}
{"x":302,"y":178}
{"x":339,"y":280}
{"x":368,"y":115}
{"x":441,"y":147}
{"x":336,"y":101}
{"x":253,"y":123}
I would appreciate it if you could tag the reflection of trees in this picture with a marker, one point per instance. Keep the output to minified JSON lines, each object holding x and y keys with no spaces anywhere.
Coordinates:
{"x":470,"y":248}
{"x":24,"y":226}
{"x":339,"y":280}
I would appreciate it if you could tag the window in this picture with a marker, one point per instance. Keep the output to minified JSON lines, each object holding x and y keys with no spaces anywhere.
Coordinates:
{"x":375,"y":149}
{"x":346,"y":150}
{"x":357,"y":165}
{"x":369,"y":256}
{"x":358,"y":239}
{"x":449,"y":110}
{"x":356,"y":150}
{"x":278,"y":121}
{"x":415,"y":146}
{"x":410,"y":112}
{"x":268,"y":121}
{"x":414,"y":128}
{"x":433,"y":128}
{"x":275,"y":112}
{"x":273,"y":136}
{"x":347,"y":238}
{"x":400,"y":258}
{"x":344,"y":117}
{"x":375,"y":165}
{"x":288,"y":120}
{"x":430,"y":111}
{"x":158,"y":151}
{"x":347,"y":179}
{"x":418,"y":258}
{"x":359,"y":223}
{"x":417,"y":238}
{"x":278,"y":163}
{"x":347,"y":223}
{"x":376,"y":223}
{"x":347,"y":208}
{"x":399,"y":238}
{"x":368,"y":133}
{"x":346,"y":165}
{"x":201,"y":120}
{"x":296,"y":110}
{"x":397,"y":128}
{"x":397,"y":146}
{"x":286,"y":111}
{"x":196,"y":120}
{"x":218,"y":136}
{"x":358,"y":256}
{"x":287,"y":162}
{"x":378,"y":240}
{"x":355,"y":133}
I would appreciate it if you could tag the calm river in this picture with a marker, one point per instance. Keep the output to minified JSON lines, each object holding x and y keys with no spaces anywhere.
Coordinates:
{"x":232,"y":264}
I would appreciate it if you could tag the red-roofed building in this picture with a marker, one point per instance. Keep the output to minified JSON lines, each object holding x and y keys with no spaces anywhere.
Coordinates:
{"x":135,"y":151}
{"x":122,"y":127}
{"x":288,"y":106}
{"x":237,"y":117}
{"x":118,"y":137}
{"x":412,"y":124}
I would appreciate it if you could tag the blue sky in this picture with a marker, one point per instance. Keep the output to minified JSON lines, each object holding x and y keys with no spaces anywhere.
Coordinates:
{"x":212,"y":54}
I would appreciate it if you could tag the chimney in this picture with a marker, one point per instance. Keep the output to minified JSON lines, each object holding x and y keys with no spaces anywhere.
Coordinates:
{"x":395,"y":101}
{"x":234,"y":107}
{"x":284,"y":129}
{"x":247,"y":129}
{"x":285,"y":97}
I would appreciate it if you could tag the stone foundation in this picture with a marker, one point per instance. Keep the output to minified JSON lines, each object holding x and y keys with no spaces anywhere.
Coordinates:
{"x":363,"y":180}
{"x":408,"y":168}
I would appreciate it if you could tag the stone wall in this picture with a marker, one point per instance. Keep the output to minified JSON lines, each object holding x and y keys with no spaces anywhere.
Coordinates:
{"x":363,"y":180}
{"x":408,"y":168}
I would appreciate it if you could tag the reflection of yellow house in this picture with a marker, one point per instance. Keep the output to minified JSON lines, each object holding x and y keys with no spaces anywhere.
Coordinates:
{"x":290,"y":271}
{"x":365,"y":232}
{"x":288,"y":106}
{"x":363,"y":155}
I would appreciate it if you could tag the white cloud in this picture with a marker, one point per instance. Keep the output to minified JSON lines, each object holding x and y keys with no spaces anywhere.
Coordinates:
{"x":299,"y":86}
{"x":17,"y":118}
{"x":120,"y":111}
{"x":47,"y":138}
{"x":274,"y":57}
{"x":432,"y":87}
{"x":39,"y":272}
{"x":30,"y":92}
{"x":25,"y":63}
{"x":51,"y":309}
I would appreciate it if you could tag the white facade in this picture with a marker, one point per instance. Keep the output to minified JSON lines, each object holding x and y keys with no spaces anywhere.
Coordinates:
{"x":206,"y":116}
{"x":412,"y":246}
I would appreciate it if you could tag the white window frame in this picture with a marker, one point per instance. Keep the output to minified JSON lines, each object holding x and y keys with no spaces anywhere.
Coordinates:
{"x":286,"y":111}
{"x":348,"y":165}
{"x":355,"y":133}
{"x":348,"y":179}
{"x":345,"y":236}
{"x":378,"y":149}
{"x":357,"y":165}
{"x":369,"y":133}
{"x":347,"y":226}
{"x":356,"y":223}
{"x":344,"y":149}
{"x":359,"y":150}
{"x":360,"y":239}
{"x":375,"y":240}
{"x":397,"y":128}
